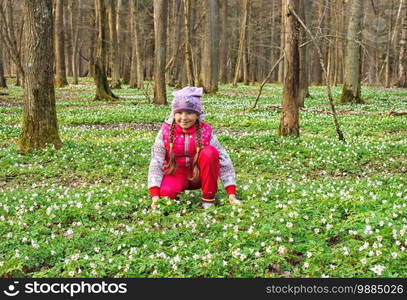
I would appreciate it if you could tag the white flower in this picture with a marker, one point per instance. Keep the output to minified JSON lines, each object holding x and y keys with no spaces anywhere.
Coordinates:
{"x":282,"y":250}
{"x":317,"y":230}
{"x":71,"y":273}
{"x":306,"y":265}
{"x":68,"y":233}
{"x":309,"y":254}
{"x":363,"y":261}
{"x":324,"y":276}
{"x":378,"y":270}
{"x":257,"y":254}
{"x":289,"y":225}
{"x":365,"y":246}
{"x":394,"y":254}
{"x":225,"y":263}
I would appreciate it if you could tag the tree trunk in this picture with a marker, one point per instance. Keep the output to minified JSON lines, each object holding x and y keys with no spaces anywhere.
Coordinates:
{"x":316,"y":70}
{"x":402,"y":80}
{"x":289,"y":122}
{"x":246,"y":58}
{"x":389,"y":51}
{"x":60,"y":76}
{"x":174,"y":68}
{"x":93,"y":41}
{"x":281,"y":66}
{"x":75,"y":9}
{"x":242,"y":41}
{"x":8,"y":38}
{"x":223,"y":55}
{"x":351,"y":86}
{"x":103,"y":91}
{"x":137,"y":64}
{"x":114,"y":53}
{"x":160,"y":38}
{"x":188,"y":54}
{"x":123,"y":26}
{"x":305,"y":10}
{"x":210,"y":61}
{"x":273,"y":49}
{"x":133,"y":34}
{"x":40,"y":120}
{"x":67,"y":41}
{"x":3,"y":83}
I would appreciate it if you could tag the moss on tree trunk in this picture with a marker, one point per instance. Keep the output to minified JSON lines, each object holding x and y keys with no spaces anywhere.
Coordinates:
{"x":40,"y":120}
{"x":348,"y":96}
{"x":103,"y":91}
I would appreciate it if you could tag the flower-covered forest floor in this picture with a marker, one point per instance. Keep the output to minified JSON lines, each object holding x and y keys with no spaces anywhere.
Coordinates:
{"x":313,"y":206}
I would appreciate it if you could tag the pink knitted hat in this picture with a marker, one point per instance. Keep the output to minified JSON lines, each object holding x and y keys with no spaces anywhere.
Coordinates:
{"x":188,"y":98}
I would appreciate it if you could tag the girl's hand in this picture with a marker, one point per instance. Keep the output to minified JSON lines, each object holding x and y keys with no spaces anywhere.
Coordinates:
{"x":233,"y":200}
{"x":154,"y":202}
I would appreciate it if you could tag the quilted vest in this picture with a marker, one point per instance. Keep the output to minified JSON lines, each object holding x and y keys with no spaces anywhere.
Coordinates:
{"x":185,"y":143}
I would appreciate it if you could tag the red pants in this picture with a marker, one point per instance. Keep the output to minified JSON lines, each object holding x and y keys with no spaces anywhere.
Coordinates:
{"x":209,"y":169}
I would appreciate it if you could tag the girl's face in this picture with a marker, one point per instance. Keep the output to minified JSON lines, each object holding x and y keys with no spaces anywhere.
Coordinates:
{"x":185,"y":118}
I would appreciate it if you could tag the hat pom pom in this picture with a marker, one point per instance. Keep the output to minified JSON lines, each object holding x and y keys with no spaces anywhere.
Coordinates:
{"x":189,"y":91}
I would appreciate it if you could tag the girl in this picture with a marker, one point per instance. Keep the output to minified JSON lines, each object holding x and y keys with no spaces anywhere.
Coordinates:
{"x":187,"y":155}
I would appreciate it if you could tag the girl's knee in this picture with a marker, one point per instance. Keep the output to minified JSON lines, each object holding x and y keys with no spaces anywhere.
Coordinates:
{"x":170,"y":192}
{"x":209,"y":152}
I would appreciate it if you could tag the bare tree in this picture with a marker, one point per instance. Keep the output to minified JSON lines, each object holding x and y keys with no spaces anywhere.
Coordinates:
{"x":242,"y":40}
{"x":60,"y":76}
{"x":3,"y":83}
{"x":40,"y":119}
{"x":210,"y":58}
{"x":103,"y":91}
{"x":137,"y":68}
{"x":351,"y":86}
{"x":8,"y":37}
{"x":114,"y":53}
{"x":402,"y":80}
{"x":160,"y":31}
{"x":223,"y":55}
{"x":282,"y":65}
{"x":305,"y":14}
{"x":187,"y":31}
{"x":74,"y":8}
{"x":289,"y":122}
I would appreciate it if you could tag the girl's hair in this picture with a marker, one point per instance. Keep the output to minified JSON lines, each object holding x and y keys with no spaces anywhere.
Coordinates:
{"x":198,"y":141}
{"x":172,"y":165}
